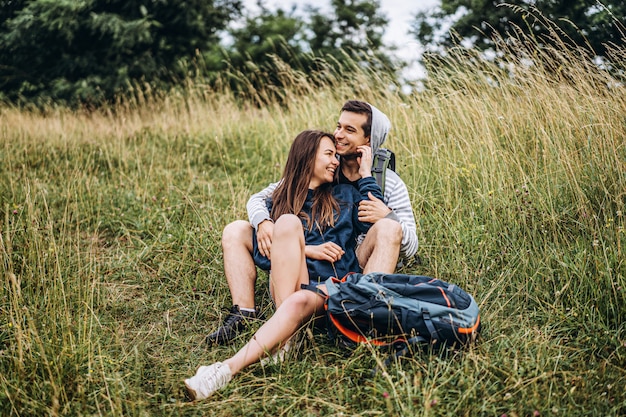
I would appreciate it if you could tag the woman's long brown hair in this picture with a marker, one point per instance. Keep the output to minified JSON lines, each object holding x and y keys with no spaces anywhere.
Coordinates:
{"x":290,"y":195}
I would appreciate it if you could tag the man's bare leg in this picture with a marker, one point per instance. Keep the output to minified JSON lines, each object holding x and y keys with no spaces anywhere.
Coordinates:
{"x":240,"y":273}
{"x":380,"y":249}
{"x":239,"y":265}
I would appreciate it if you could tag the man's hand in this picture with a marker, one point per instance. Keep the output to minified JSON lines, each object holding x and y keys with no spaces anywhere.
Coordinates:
{"x":264,"y":233}
{"x":328,"y":251}
{"x":365,"y":161}
{"x":372,"y":210}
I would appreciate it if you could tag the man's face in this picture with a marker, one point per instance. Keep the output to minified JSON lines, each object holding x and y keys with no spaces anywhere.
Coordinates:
{"x":349,"y":133}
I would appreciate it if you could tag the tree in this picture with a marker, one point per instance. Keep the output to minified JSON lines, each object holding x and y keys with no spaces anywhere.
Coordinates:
{"x":88,"y":51}
{"x":91,"y":51}
{"x":317,"y":47}
{"x":353,"y":29}
{"x":476,"y":22}
{"x":263,"y":45}
{"x":277,"y":32}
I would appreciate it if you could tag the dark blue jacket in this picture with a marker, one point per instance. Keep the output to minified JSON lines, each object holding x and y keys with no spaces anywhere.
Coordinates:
{"x":344,"y":233}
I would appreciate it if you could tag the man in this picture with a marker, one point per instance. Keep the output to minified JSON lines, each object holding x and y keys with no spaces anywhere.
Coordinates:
{"x":392,"y":235}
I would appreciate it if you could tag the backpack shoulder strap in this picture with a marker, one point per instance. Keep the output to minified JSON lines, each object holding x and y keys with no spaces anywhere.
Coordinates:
{"x":383,"y":159}
{"x":332,"y":287}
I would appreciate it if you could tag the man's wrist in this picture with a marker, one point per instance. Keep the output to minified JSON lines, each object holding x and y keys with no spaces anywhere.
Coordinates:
{"x":392,"y":215}
{"x":258,"y":219}
{"x":263,"y":221}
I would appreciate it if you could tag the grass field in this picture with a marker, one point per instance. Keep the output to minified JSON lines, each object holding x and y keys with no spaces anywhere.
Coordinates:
{"x":110,"y":227}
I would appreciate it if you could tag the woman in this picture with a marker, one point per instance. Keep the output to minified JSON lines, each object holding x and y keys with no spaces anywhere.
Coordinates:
{"x":314,"y":237}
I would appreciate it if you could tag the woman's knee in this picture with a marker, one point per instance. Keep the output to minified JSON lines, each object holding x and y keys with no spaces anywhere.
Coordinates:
{"x":288,"y":224}
{"x":302,"y":302}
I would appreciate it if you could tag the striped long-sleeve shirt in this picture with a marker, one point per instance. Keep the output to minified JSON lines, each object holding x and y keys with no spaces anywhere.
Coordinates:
{"x":396,"y":197}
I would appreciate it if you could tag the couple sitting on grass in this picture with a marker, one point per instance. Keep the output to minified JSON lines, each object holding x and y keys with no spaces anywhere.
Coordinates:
{"x":324,"y":218}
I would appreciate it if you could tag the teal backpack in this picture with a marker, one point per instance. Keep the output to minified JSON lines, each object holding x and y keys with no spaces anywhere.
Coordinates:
{"x":387,"y":309}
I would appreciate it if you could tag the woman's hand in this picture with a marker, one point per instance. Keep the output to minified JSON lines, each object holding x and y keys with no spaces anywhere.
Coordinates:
{"x":365,"y":161}
{"x":328,"y":251}
{"x":264,"y":233}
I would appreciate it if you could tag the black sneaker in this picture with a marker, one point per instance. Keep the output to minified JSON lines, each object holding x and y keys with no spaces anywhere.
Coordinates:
{"x":234,"y":323}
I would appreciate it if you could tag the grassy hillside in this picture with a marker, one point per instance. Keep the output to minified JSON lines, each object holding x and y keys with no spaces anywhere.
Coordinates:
{"x":110,"y":226}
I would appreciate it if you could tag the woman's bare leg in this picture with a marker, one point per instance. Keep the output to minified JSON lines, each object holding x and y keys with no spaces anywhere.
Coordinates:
{"x":289,"y":268}
{"x":295,"y":310}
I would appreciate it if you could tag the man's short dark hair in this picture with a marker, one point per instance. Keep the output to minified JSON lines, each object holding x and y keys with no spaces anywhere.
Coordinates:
{"x":360,"y":107}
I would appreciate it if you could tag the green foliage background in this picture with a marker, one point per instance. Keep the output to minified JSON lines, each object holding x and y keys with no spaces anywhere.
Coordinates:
{"x":594,"y":24}
{"x":92,"y":52}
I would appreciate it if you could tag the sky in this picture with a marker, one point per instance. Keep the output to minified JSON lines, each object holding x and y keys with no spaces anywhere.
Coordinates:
{"x":399,"y":13}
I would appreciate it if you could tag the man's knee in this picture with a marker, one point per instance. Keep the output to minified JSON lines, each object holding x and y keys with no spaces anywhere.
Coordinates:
{"x":237,"y":233}
{"x":384,"y":235}
{"x":388,"y":231}
{"x":380,"y":250}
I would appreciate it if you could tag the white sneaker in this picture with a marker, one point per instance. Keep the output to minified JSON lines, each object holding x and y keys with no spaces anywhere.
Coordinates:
{"x":278,"y":356}
{"x":207,"y":380}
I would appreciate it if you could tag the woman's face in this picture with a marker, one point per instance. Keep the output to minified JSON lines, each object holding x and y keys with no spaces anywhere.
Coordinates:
{"x":326,"y":163}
